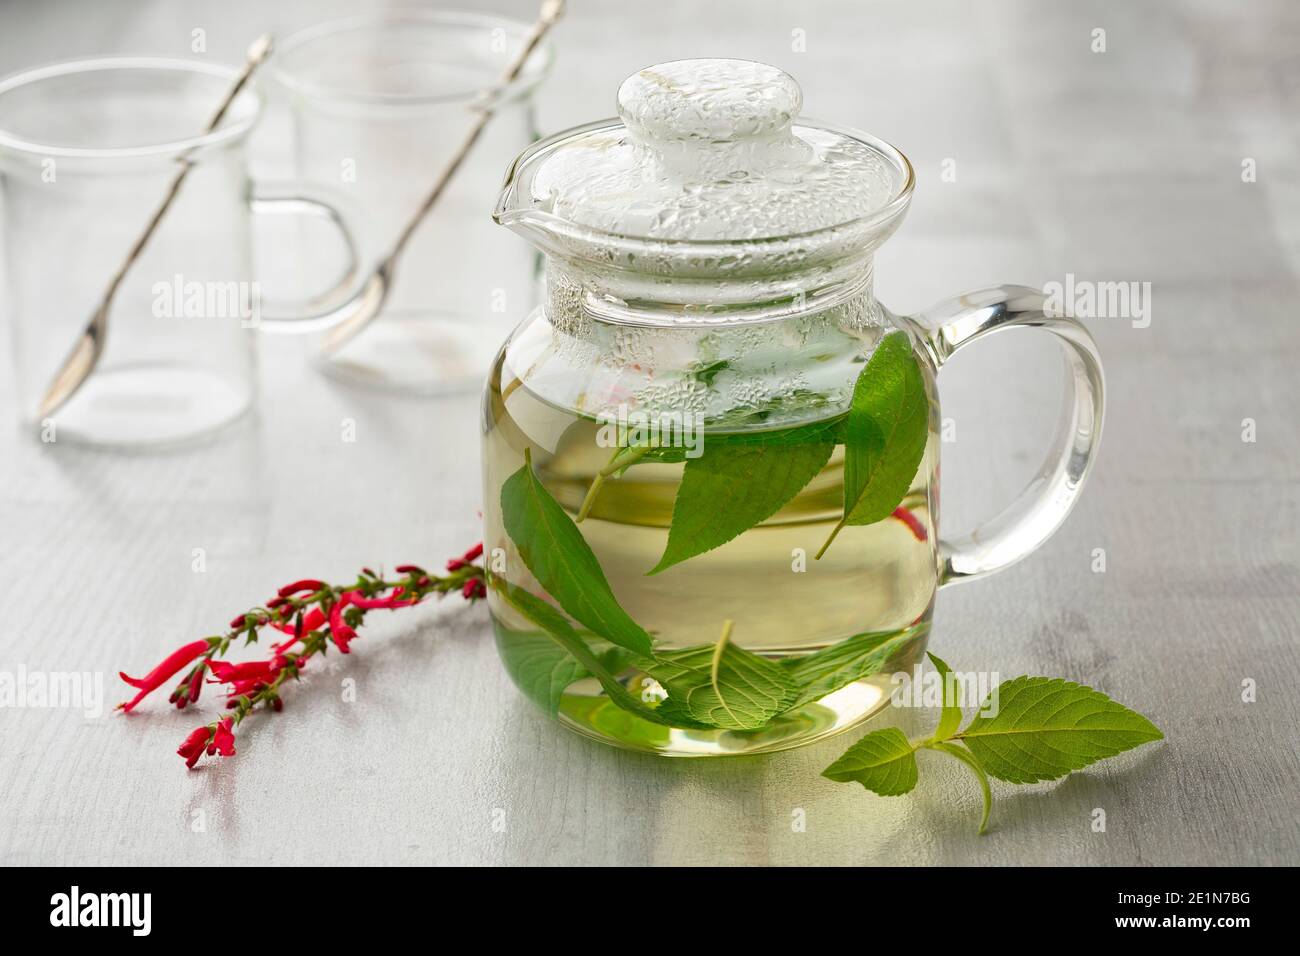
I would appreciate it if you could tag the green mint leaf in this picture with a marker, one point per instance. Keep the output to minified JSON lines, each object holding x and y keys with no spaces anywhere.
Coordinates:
{"x":826,"y":671}
{"x":541,"y":668}
{"x":968,"y":758}
{"x":950,"y":716}
{"x":555,"y":551}
{"x":721,"y":685}
{"x":1047,"y":727}
{"x":562,"y":632}
{"x":884,"y":435}
{"x":740,"y":481}
{"x":883,"y":761}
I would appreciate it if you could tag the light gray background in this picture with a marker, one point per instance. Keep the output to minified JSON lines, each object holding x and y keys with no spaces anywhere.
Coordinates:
{"x":1117,"y":166}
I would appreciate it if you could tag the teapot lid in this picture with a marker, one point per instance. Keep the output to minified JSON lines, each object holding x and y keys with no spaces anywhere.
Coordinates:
{"x":709,"y":150}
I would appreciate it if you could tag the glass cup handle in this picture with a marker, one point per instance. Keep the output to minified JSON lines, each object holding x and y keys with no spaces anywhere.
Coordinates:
{"x":1040,"y":508}
{"x":348,"y":295}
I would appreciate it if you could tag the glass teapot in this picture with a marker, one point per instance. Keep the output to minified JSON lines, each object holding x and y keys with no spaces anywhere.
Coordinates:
{"x":711,"y":456}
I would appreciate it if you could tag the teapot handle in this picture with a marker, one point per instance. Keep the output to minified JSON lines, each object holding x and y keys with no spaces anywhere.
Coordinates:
{"x":1040,"y":508}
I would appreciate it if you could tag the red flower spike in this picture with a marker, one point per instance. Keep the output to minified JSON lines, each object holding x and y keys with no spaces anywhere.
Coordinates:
{"x":164,"y":672}
{"x":409,"y":569}
{"x":392,"y":601}
{"x":306,"y":584}
{"x":249,"y":684}
{"x":194,"y":745}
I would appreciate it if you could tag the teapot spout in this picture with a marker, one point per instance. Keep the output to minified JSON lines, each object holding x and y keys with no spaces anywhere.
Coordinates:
{"x":522,"y":214}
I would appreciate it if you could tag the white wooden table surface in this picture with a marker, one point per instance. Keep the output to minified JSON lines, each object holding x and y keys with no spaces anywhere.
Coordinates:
{"x":1122,"y":165}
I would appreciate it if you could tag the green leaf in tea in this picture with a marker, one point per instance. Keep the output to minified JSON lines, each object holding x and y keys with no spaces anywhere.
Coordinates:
{"x":884,"y":435}
{"x":1046,"y":727}
{"x":740,"y":481}
{"x":722,"y":685}
{"x":950,"y":716}
{"x":541,"y":668}
{"x":554,"y":550}
{"x":558,"y":628}
{"x":856,"y":658}
{"x":883,"y":761}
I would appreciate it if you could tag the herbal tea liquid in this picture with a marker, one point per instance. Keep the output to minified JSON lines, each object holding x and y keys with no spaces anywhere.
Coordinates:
{"x":782,"y":602}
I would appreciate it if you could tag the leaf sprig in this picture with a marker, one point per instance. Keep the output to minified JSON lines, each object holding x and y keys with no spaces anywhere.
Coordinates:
{"x":1043,"y":729}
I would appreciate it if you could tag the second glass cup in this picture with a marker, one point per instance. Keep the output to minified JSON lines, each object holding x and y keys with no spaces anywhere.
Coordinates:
{"x":379,"y":106}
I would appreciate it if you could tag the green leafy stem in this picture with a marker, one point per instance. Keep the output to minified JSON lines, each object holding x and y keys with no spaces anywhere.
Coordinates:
{"x":1041,"y":729}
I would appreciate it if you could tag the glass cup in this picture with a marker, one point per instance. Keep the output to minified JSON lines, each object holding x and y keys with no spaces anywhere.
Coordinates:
{"x":379,"y":106}
{"x":88,"y":150}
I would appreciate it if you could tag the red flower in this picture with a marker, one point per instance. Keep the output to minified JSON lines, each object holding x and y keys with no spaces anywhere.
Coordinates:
{"x":306,"y":584}
{"x":223,"y":741}
{"x":392,"y":601}
{"x":313,"y":619}
{"x":340,"y":631}
{"x":227,"y":673}
{"x":241,"y":687}
{"x":473,"y":589}
{"x":164,"y":672}
{"x":189,"y":689}
{"x":473,"y":554}
{"x":196,"y":688}
{"x":194,"y":746}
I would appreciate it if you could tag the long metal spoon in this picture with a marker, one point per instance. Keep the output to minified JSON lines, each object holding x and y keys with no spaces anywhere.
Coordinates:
{"x":85,"y":355}
{"x":371,"y":299}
